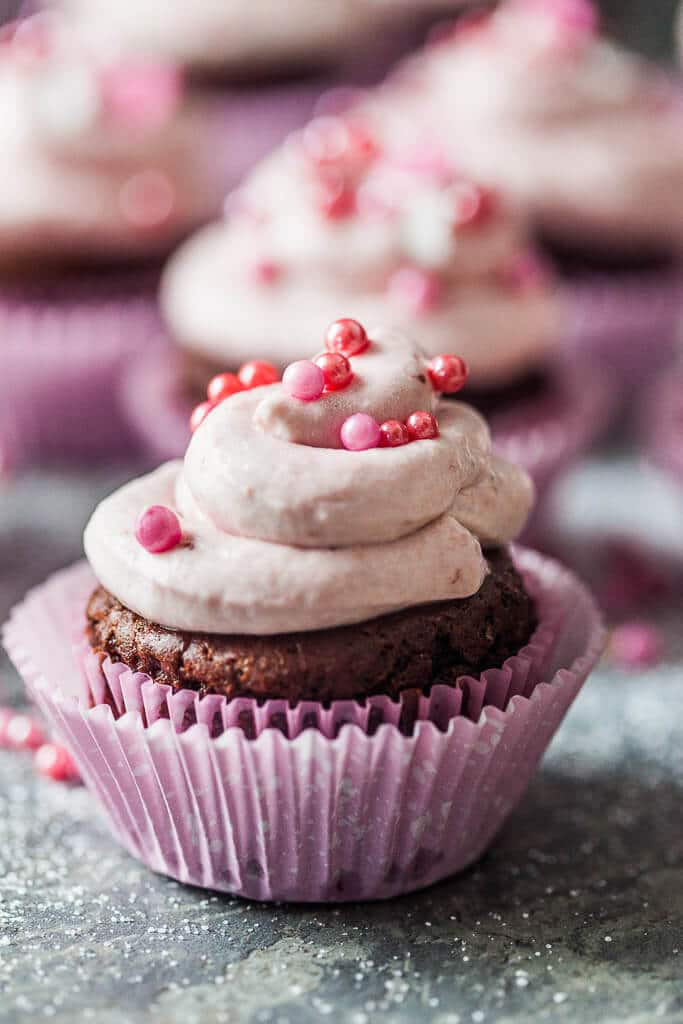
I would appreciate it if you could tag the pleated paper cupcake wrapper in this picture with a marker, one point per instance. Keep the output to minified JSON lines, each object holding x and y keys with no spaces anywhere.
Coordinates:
{"x":662,"y":422}
{"x":626,"y":322}
{"x":62,"y":352}
{"x":325,"y":813}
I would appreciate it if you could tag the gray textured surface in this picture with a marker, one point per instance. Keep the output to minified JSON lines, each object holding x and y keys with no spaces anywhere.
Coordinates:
{"x":575,"y":914}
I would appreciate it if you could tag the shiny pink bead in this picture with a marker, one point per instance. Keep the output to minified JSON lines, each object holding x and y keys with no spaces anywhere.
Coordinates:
{"x":54,"y":762}
{"x":266,"y":272}
{"x":422,"y":426}
{"x":147,"y":199}
{"x":577,"y":15}
{"x":222,"y":386}
{"x":199,"y":414}
{"x":360,"y":432}
{"x":140,"y":95}
{"x":416,"y":289}
{"x":304,"y":380}
{"x":22,"y":733}
{"x":447,"y":373}
{"x":158,"y":529}
{"x":337,"y":200}
{"x":346,"y":336}
{"x":393,"y":434}
{"x":257,"y":373}
{"x":524,"y":271}
{"x":636,"y":645}
{"x":336,"y":370}
{"x":473,"y":205}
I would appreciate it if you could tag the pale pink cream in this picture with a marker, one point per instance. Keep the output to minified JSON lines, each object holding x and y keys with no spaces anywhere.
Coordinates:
{"x":285,"y":531}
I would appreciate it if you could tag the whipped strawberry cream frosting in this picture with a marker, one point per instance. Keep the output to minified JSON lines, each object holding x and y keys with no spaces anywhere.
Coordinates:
{"x":286,"y":515}
{"x":531,"y":98}
{"x":236,"y":35}
{"x":393,"y":235}
{"x":100,"y":155}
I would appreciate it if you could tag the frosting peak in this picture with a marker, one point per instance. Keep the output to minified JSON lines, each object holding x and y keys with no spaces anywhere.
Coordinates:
{"x":286,"y":530}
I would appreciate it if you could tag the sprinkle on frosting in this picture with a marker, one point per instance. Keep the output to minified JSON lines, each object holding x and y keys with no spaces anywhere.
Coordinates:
{"x":448,"y":373}
{"x":255,"y":374}
{"x":346,"y":336}
{"x":158,"y":529}
{"x":283,"y":517}
{"x":304,"y":380}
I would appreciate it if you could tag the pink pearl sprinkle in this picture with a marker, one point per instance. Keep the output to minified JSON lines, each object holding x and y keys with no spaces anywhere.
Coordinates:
{"x":140,"y":95}
{"x":636,"y":645}
{"x":303,"y":380}
{"x":54,"y":762}
{"x":360,"y":432}
{"x":416,"y":289}
{"x":23,"y":733}
{"x":158,"y":529}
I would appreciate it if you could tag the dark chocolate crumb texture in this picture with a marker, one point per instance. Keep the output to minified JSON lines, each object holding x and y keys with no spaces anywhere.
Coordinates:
{"x":416,"y":648}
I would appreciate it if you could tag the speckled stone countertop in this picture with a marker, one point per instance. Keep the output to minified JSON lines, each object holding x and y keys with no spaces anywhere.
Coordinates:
{"x":576,"y":914}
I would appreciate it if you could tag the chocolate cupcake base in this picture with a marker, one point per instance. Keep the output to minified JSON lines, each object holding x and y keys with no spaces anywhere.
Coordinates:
{"x":417,"y":648}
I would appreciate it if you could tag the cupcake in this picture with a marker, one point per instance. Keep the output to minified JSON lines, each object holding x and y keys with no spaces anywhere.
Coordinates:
{"x":392,"y":235}
{"x":105,"y":169}
{"x":236,"y":39}
{"x":307,"y":666}
{"x":586,"y":137}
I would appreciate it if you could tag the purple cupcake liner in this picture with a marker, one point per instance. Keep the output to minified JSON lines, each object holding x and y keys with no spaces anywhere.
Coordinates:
{"x":627,"y":323}
{"x":662,"y":422}
{"x":344,"y":805}
{"x":63,"y":349}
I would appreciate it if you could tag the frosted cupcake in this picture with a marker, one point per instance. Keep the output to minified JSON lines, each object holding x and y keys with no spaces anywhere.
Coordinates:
{"x":392,"y":235}
{"x":587,"y":138}
{"x":309,"y":617}
{"x":245,"y":39}
{"x":527,"y":93}
{"x":100,"y":169}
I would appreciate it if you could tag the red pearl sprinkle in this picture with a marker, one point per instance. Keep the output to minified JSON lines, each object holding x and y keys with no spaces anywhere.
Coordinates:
{"x":422,"y":426}
{"x":22,"y":733}
{"x":393,"y":434}
{"x":346,"y":336}
{"x":417,"y":289}
{"x":473,"y":205}
{"x":257,"y":374}
{"x":158,"y":529}
{"x":54,"y":762}
{"x":199,"y":414}
{"x":266,"y":272}
{"x":336,"y":370}
{"x":223,"y":386}
{"x":337,"y":199}
{"x":447,"y":373}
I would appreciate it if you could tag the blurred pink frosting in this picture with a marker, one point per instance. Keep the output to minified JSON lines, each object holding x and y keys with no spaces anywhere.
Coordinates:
{"x":530,"y":98}
{"x":235,"y":36}
{"x":101,"y":156}
{"x":398,"y":255}
{"x":284,"y":534}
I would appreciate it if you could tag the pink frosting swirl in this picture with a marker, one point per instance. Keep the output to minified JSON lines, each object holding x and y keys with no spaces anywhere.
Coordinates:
{"x":286,"y":531}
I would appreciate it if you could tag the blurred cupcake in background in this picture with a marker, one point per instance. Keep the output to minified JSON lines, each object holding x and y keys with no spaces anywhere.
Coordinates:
{"x":106,"y":164}
{"x":393,"y":235}
{"x":236,"y":40}
{"x":587,"y":139}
